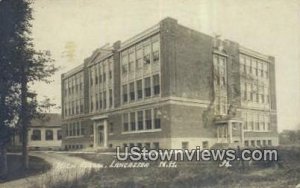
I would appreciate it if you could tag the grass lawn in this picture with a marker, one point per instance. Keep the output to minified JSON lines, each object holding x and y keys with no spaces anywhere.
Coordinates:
{"x":197,"y":174}
{"x":15,"y":171}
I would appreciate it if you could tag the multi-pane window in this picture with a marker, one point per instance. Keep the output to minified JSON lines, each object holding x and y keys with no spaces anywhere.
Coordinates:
{"x":155,"y":51}
{"x":140,"y":120}
{"x":91,"y":76}
{"x":110,"y":98}
{"x":96,"y":76}
{"x":104,"y":100}
{"x":131,"y":62}
{"x":125,"y":93}
{"x":139,"y":88}
{"x":92,"y":104}
{"x":185,"y":145}
{"x":132,"y":121}
{"x":139,"y":58}
{"x":104,"y":77}
{"x":73,"y":91}
{"x":147,"y":54}
{"x":124,"y":64}
{"x":156,"y":119}
{"x":97,"y":102}
{"x":125,"y":122}
{"x":148,"y":119}
{"x":100,"y":100}
{"x":147,"y":87}
{"x":110,"y":70}
{"x":156,"y":85}
{"x":77,"y":128}
{"x":49,"y":135}
{"x":156,"y":145}
{"x":131,"y":91}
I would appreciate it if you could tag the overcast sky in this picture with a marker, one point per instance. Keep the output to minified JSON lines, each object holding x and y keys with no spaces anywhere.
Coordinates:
{"x":72,"y":29}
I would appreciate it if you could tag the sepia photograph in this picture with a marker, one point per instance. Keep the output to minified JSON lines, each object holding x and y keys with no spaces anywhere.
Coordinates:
{"x":149,"y":93}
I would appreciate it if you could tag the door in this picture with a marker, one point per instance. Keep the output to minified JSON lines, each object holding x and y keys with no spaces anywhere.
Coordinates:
{"x":100,"y":135}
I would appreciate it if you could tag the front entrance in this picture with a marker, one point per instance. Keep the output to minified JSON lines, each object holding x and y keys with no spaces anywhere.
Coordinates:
{"x":100,"y":136}
{"x":100,"y":131}
{"x":230,"y":132}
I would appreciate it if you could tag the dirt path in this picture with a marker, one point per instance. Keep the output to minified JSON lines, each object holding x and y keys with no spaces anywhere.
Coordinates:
{"x":64,"y":168}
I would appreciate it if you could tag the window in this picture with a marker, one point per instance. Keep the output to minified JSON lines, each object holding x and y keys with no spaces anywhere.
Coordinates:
{"x":36,"y":135}
{"x":148,"y":117}
{"x":185,"y":145}
{"x":205,"y":144}
{"x":131,"y":91}
{"x":125,"y":93}
{"x":245,"y":127}
{"x":258,"y":143}
{"x":147,"y":54}
{"x":59,"y":134}
{"x":124,"y":64}
{"x":125,"y":122}
{"x":77,"y":128}
{"x":246,"y":143}
{"x":110,"y":74}
{"x":264,"y":142}
{"x":110,"y":70}
{"x":49,"y":135}
{"x":269,"y":142}
{"x":157,"y":119}
{"x":110,"y":98}
{"x":139,"y":87}
{"x":100,"y":100}
{"x":147,"y":86}
{"x":256,"y":69}
{"x":156,"y":145}
{"x":155,"y":57}
{"x":131,"y":62}
{"x":155,"y":49}
{"x":131,"y":145}
{"x":96,"y":80}
{"x":92,"y":104}
{"x":91,"y":81}
{"x":104,"y":77}
{"x":140,"y":120}
{"x":104,"y":99}
{"x":97,"y":102}
{"x":139,"y":61}
{"x":82,"y":130}
{"x":139,"y":145}
{"x":156,"y":85}
{"x":132,"y":121}
{"x":147,"y":145}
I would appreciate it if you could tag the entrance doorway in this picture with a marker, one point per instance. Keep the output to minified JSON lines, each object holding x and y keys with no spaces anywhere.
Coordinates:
{"x":100,"y":131}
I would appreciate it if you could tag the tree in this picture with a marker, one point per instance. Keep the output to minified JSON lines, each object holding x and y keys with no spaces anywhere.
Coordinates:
{"x":20,"y":65}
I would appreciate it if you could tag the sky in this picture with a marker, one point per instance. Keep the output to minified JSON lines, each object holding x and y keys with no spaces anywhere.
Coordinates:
{"x":72,"y":29}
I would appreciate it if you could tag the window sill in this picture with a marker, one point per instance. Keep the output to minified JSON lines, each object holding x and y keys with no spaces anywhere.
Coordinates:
{"x":81,"y":136}
{"x":142,"y":131}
